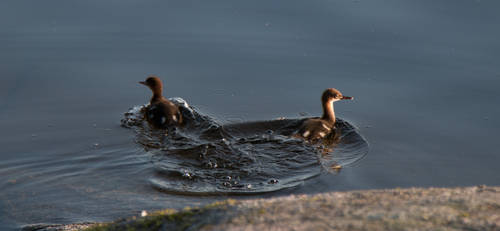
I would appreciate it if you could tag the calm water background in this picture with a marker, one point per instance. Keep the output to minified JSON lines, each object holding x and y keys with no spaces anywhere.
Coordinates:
{"x":425,"y":76}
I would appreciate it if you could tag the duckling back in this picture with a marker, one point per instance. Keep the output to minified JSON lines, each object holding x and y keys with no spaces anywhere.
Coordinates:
{"x":163,"y":114}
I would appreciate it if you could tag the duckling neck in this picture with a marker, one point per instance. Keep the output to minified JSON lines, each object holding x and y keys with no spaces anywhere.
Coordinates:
{"x":328,"y":112}
{"x":156,"y":96}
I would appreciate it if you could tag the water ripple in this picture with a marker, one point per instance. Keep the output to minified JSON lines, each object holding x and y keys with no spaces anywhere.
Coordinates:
{"x":206,"y":157}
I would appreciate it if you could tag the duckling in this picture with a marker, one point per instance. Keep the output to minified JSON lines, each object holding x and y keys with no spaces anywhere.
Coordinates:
{"x":160,"y":113}
{"x":317,"y":128}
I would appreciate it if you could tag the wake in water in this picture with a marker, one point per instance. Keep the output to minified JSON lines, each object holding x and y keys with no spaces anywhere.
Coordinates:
{"x":206,"y":157}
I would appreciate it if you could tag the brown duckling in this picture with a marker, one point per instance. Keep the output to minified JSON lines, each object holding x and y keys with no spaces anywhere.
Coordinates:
{"x":317,"y":128}
{"x":160,"y":113}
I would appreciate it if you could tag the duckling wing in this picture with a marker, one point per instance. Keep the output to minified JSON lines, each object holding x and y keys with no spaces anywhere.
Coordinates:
{"x":163,"y":114}
{"x":313,"y":129}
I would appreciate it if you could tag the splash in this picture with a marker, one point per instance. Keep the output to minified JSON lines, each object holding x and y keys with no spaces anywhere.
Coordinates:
{"x":206,"y":157}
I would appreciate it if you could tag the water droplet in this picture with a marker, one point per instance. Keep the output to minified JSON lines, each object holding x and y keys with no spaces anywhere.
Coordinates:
{"x":272,"y":181}
{"x":187,"y":174}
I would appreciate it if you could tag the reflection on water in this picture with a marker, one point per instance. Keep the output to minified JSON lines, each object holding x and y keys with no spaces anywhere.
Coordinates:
{"x":204,"y":157}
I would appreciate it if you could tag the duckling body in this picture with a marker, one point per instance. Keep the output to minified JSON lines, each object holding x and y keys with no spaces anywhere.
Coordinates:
{"x":317,"y":128}
{"x":161,"y":113}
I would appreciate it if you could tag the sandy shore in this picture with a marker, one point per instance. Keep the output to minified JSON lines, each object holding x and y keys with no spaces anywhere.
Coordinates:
{"x":469,"y":208}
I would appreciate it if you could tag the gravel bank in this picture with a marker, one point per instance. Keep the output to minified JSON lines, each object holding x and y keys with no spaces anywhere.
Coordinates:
{"x":470,"y":208}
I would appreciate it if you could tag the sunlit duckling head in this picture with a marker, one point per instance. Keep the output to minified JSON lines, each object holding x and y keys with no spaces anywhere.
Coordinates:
{"x":154,"y":83}
{"x":331,"y":95}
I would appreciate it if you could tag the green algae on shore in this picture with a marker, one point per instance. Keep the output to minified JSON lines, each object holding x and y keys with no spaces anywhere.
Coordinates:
{"x":168,"y":219}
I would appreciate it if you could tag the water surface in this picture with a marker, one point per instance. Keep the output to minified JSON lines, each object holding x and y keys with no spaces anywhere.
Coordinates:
{"x":424,"y":74}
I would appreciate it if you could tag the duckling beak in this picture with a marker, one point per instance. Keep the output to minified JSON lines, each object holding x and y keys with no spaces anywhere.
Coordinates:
{"x":142,"y":82}
{"x":347,"y":97}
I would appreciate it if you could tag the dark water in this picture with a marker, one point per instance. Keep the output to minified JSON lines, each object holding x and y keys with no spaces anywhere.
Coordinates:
{"x":425,"y":76}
